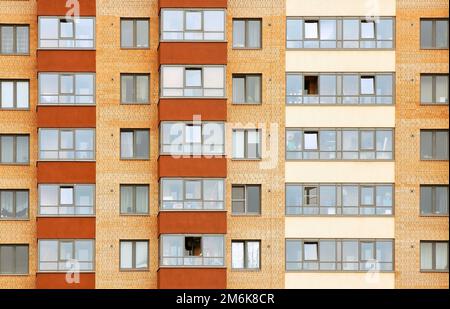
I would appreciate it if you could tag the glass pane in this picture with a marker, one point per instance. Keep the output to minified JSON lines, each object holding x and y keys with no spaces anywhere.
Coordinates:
{"x":426,"y":89}
{"x":193,"y":20}
{"x":328,"y":196}
{"x":384,"y":251}
{"x":310,"y":139}
{"x":384,"y":196}
{"x":193,"y":189}
{"x":367,"y":140}
{"x":294,"y":195}
{"x":350,"y":255}
{"x":126,"y":199}
{"x":213,"y":190}
{"x":48,"y":84}
{"x":384,"y":140}
{"x":442,"y":145}
{"x":442,"y":34}
{"x":385,"y":29}
{"x":367,"y":29}
{"x":254,"y":34}
{"x":327,"y":250}
{"x":442,"y":89}
{"x":126,"y":254}
{"x":7,"y":147}
{"x":66,"y":250}
{"x":142,"y":199}
{"x":173,"y":20}
{"x":142,"y":33}
{"x":48,"y":250}
{"x":350,"y":196}
{"x":293,"y":29}
{"x":367,"y":251}
{"x":253,"y":89}
{"x":426,"y":145}
{"x":48,"y":28}
{"x":237,"y":251}
{"x":426,"y":255}
{"x":350,"y":140}
{"x":328,"y":29}
{"x":212,"y":246}
{"x":84,"y":140}
{"x":238,"y":33}
{"x":22,"y":94}
{"x":293,"y":250}
{"x":48,"y":195}
{"x":84,"y":195}
{"x":141,"y":254}
{"x":367,"y":196}
{"x":310,"y":251}
{"x":193,"y":77}
{"x":66,"y":29}
{"x":214,"y":21}
{"x":142,"y":85}
{"x":238,"y":89}
{"x":7,"y":260}
{"x":21,"y":204}
{"x":253,"y":140}
{"x":66,"y":196}
{"x":126,"y":144}
{"x":84,"y":250}
{"x":172,"y":246}
{"x":328,"y":141}
{"x":21,"y":259}
{"x":351,"y":29}
{"x":293,"y":84}
{"x":127,"y":82}
{"x":350,"y":85}
{"x":7,"y":204}
{"x":253,"y":254}
{"x":7,"y":42}
{"x":7,"y":90}
{"x":426,"y":34}
{"x":67,"y":141}
{"x":327,"y":85}
{"x":84,"y":84}
{"x":311,"y":30}
{"x":441,"y":255}
{"x":367,"y":85}
{"x":172,"y":190}
{"x":84,"y":28}
{"x":426,"y":200}
{"x":253,"y":199}
{"x":238,"y":144}
{"x":22,"y":149}
{"x":384,"y":84}
{"x":441,"y":200}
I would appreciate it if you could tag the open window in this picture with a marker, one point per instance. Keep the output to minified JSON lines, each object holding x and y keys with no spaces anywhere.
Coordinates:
{"x":311,"y":29}
{"x":367,"y":29}
{"x":311,"y":140}
{"x":192,"y":246}
{"x":367,"y":85}
{"x":311,"y":251}
{"x":311,"y":85}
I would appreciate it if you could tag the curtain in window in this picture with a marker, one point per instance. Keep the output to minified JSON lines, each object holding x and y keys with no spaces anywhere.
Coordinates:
{"x":254,"y":34}
{"x":126,"y":199}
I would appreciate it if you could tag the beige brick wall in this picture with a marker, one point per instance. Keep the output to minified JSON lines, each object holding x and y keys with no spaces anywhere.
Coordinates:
{"x":410,"y":171}
{"x":20,"y":177}
{"x":270,"y":61}
{"x":111,"y":171}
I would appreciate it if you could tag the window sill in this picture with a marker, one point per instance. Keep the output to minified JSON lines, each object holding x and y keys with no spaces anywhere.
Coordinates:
{"x":433,"y":104}
{"x":14,"y":219}
{"x":65,"y":48}
{"x":63,"y":271}
{"x":246,"y":215}
{"x":358,"y":105}
{"x":246,"y":160}
{"x":248,"y":48}
{"x":192,"y":210}
{"x":196,"y":98}
{"x":340,"y":49}
{"x":135,"y":48}
{"x":134,"y":270}
{"x":247,"y":103}
{"x":193,"y":266}
{"x":434,"y":48}
{"x":433,"y":216}
{"x":434,"y":160}
{"x":65,"y":216}
{"x":134,"y":159}
{"x":14,"y":275}
{"x":193,"y":41}
{"x":433,"y":271}
{"x":16,"y":109}
{"x":338,"y":271}
{"x":245,"y":270}
{"x":74,"y":161}
{"x":134,"y":215}
{"x":339,"y":160}
{"x":62,"y":104}
{"x":15,"y":164}
{"x":340,"y":216}
{"x":135,"y":103}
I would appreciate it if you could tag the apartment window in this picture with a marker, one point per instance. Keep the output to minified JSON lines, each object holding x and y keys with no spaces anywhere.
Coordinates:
{"x":13,"y":259}
{"x":339,"y":144}
{"x":14,"y":94}
{"x":434,"y":33}
{"x":339,"y":255}
{"x":179,"y":81}
{"x":192,"y":250}
{"x":14,"y":204}
{"x":339,"y":199}
{"x":434,"y":200}
{"x":134,"y":199}
{"x":66,"y":254}
{"x":135,"y":144}
{"x":246,"y":88}
{"x":192,"y":25}
{"x":192,"y":138}
{"x":135,"y":88}
{"x":246,"y":144}
{"x":134,"y":254}
{"x":66,"y":88}
{"x":14,"y":39}
{"x":134,"y":33}
{"x":66,"y":144}
{"x":63,"y":200}
{"x":245,"y":254}
{"x":340,"y":32}
{"x":246,"y":199}
{"x":14,"y":149}
{"x":339,"y":88}
{"x":434,"y":256}
{"x":192,"y":194}
{"x":59,"y":32}
{"x":434,"y":144}
{"x":434,"y":89}
{"x":247,"y":33}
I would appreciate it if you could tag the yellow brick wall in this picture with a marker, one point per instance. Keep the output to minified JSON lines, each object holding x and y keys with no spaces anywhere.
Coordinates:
{"x":410,"y":171}
{"x":20,"y":177}
{"x":111,"y":171}
{"x":270,"y":61}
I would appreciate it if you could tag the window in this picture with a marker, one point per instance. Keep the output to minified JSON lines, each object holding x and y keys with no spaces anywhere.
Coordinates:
{"x":339,"y":144}
{"x":59,"y":32}
{"x":434,"y":33}
{"x":246,"y":144}
{"x":245,"y":254}
{"x":63,"y":200}
{"x":192,"y":194}
{"x":65,"y":254}
{"x":135,"y":88}
{"x":134,"y":199}
{"x":247,"y":33}
{"x":246,"y":199}
{"x":192,"y":25}
{"x":339,"y":88}
{"x":134,"y":144}
{"x":434,"y":200}
{"x":340,"y":32}
{"x":14,"y":94}
{"x":339,"y":199}
{"x":433,"y":89}
{"x":66,"y":144}
{"x":196,"y":139}
{"x":14,"y":39}
{"x":246,"y":88}
{"x":206,"y":81}
{"x":66,"y":88}
{"x":434,"y":256}
{"x":13,"y":259}
{"x":134,"y":254}
{"x":187,"y":250}
{"x":134,"y":33}
{"x":434,"y":144}
{"x":339,"y":255}
{"x":14,"y":149}
{"x":14,"y":204}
